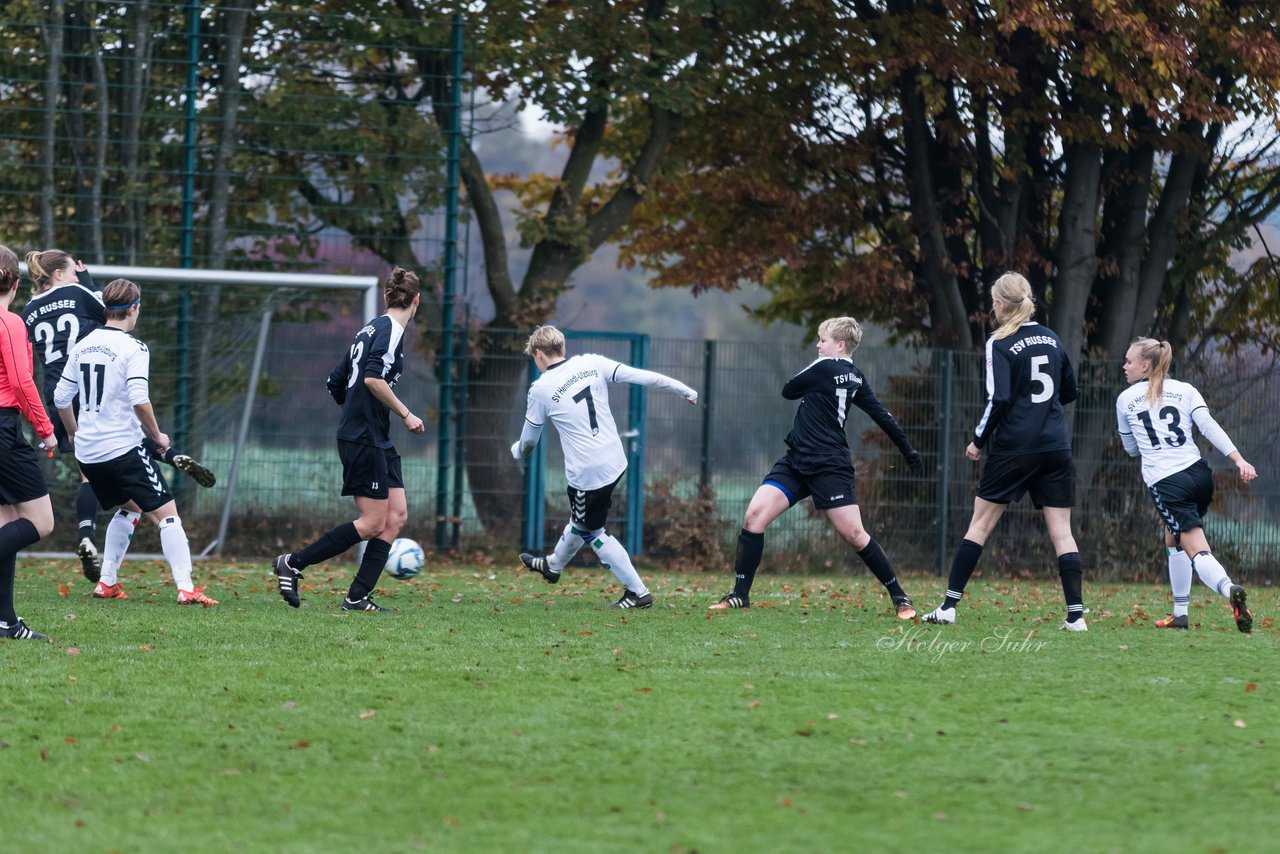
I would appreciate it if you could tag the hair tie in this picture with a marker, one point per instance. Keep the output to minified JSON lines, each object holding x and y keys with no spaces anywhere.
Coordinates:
{"x":126,"y":305}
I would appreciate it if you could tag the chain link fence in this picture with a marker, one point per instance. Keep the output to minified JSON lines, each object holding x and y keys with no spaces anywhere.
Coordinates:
{"x":700,"y":464}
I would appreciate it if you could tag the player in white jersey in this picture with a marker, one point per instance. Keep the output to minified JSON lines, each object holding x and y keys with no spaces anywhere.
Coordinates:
{"x":573,"y":394}
{"x":64,"y":306}
{"x":108,"y":373}
{"x":1155,"y":416}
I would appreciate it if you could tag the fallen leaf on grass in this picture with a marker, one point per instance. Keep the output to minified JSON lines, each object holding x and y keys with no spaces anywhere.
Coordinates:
{"x":302,"y":745}
{"x":63,"y":590}
{"x":73,"y":650}
{"x":1238,"y":724}
{"x":364,"y":716}
{"x":145,"y":648}
{"x":753,"y":704}
{"x":1250,"y":688}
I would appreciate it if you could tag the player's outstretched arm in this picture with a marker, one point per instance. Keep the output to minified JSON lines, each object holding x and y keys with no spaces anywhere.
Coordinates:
{"x":867,"y":401}
{"x":653,"y":379}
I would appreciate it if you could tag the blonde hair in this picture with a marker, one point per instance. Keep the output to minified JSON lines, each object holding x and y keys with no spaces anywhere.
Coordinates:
{"x":548,"y":339}
{"x":844,"y":329}
{"x":1011,"y":298}
{"x":1160,"y":355}
{"x":42,"y":265}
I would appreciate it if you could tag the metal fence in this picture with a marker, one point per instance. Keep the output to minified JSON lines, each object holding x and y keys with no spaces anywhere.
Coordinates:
{"x":697,"y":467}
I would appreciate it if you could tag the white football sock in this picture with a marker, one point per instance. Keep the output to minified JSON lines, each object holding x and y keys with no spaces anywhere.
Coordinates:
{"x":570,"y":542}
{"x":616,"y":560}
{"x":119,"y":532}
{"x":173,"y":542}
{"x":1212,"y":573}
{"x":1180,"y":580}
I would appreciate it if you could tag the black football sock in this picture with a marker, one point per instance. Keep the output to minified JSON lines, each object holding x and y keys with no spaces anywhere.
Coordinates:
{"x":878,"y":562}
{"x":1072,"y":584}
{"x":747,"y":561}
{"x":154,"y":450}
{"x":375,"y":558}
{"x":962,"y":567}
{"x":333,"y":542}
{"x":8,"y":569}
{"x":87,"y":508}
{"x":14,"y":537}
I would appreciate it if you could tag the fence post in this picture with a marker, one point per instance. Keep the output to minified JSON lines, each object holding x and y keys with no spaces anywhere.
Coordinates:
{"x":533,"y":534}
{"x":449,"y":285}
{"x":635,"y":455}
{"x":186,"y":249}
{"x":947,"y":377}
{"x":706,"y":396}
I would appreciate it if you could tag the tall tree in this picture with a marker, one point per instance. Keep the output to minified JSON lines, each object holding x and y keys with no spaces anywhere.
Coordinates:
{"x":1079,"y":142}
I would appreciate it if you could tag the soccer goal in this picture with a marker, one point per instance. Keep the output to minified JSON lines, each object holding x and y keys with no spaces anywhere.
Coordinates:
{"x":223,"y":342}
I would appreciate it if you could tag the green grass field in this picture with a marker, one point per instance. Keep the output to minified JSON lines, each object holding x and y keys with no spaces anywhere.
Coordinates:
{"x":492,"y":712}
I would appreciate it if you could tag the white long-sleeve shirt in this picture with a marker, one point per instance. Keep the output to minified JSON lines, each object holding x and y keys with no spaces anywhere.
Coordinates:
{"x":574,"y":396}
{"x":109,"y":371}
{"x":1163,"y":433}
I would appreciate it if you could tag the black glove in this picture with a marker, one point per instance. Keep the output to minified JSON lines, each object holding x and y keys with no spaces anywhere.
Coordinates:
{"x":915,"y":463}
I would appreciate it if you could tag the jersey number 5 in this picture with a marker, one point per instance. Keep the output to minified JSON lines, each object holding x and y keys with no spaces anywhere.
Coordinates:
{"x":1039,"y":376}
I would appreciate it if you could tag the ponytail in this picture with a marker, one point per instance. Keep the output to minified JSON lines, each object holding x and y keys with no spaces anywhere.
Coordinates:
{"x":42,"y":265}
{"x":1160,"y":355}
{"x":1013,"y":303}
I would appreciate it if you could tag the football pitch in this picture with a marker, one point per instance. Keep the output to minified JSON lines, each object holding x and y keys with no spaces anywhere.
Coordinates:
{"x":493,"y":712}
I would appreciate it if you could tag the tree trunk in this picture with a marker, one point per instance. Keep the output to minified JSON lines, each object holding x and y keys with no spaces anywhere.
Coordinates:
{"x":947,"y":315}
{"x":1124,"y":242}
{"x":1077,"y":260}
{"x":48,"y":133}
{"x":495,"y":387}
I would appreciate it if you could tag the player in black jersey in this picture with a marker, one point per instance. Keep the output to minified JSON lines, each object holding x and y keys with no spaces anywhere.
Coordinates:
{"x":818,"y":463}
{"x":1028,"y":442}
{"x":362,"y":385}
{"x":65,"y":307}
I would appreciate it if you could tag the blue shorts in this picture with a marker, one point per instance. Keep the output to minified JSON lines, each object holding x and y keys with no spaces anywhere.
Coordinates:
{"x":830,"y":487}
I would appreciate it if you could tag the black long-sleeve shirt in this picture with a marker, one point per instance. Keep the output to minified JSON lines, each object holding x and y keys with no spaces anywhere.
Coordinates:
{"x":1029,"y":379}
{"x":825,"y":389}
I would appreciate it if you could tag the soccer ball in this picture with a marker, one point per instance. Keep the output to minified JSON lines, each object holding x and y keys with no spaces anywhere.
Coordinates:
{"x":405,"y":560}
